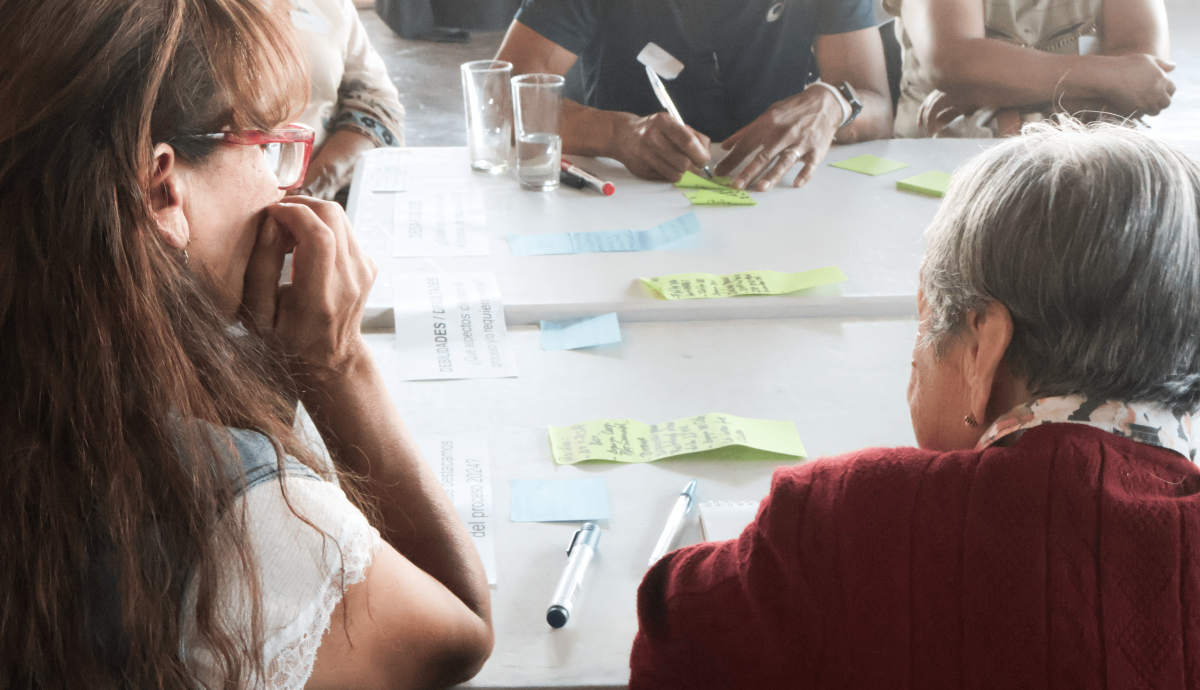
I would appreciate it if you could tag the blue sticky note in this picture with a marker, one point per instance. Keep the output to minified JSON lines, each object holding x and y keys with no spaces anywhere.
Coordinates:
{"x":559,"y":500}
{"x":584,"y":332}
{"x":605,"y":240}
{"x":532,"y":245}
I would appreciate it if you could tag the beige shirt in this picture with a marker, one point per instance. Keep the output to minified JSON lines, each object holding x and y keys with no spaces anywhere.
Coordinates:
{"x":350,"y":84}
{"x":1052,"y":26}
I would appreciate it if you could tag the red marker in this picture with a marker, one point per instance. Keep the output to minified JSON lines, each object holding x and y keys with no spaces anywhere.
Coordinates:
{"x":589,"y":180}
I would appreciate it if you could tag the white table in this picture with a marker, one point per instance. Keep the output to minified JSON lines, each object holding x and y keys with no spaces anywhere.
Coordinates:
{"x":861,"y":224}
{"x":842,"y":381}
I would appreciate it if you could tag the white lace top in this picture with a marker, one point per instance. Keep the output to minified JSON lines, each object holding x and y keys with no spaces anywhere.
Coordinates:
{"x":302,"y":574}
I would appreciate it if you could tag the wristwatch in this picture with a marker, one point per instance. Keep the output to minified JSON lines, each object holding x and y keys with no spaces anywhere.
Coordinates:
{"x":846,"y":97}
{"x":847,"y":92}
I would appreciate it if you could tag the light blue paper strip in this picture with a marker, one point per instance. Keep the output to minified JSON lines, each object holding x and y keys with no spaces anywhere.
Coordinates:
{"x":584,"y":332}
{"x":605,"y":240}
{"x":559,"y":500}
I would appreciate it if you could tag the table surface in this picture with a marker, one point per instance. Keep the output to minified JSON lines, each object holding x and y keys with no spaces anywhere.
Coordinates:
{"x":859,"y":223}
{"x":842,"y":381}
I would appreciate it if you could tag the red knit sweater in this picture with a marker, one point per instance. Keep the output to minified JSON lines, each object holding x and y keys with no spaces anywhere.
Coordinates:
{"x":1071,"y":559}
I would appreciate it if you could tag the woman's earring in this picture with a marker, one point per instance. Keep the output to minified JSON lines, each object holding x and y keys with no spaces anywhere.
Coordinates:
{"x":969,"y":420}
{"x":185,"y":257}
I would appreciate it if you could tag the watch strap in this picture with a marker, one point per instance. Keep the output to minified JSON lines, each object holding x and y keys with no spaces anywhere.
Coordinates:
{"x":847,"y":111}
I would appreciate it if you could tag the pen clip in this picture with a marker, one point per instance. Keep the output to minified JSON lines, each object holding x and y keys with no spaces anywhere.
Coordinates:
{"x":574,"y":540}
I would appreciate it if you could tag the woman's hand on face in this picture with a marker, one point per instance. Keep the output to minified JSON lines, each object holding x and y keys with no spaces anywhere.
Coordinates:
{"x":317,"y":317}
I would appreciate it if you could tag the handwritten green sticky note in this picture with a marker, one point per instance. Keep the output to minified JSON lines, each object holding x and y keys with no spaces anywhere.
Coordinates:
{"x":707,"y":285}
{"x":691,"y":180}
{"x":932,"y":183}
{"x":708,"y":436}
{"x":720,"y":197}
{"x":870,"y":165}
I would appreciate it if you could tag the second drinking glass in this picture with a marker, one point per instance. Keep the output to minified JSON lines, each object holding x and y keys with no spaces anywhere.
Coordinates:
{"x":537,"y":104}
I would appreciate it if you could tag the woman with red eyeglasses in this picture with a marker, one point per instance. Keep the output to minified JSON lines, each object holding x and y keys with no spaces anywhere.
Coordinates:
{"x":163,"y":520}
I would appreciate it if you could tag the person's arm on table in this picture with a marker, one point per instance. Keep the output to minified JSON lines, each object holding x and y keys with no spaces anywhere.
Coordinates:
{"x":651,"y":147}
{"x":1129,"y":78}
{"x":422,"y":616}
{"x":801,"y":128}
{"x":736,"y":614}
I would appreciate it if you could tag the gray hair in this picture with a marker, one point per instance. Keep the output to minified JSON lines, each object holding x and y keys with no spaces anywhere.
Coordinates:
{"x":1090,"y":236}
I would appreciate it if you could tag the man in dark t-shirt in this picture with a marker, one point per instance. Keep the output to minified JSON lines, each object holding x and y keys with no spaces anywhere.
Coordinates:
{"x":749,"y":80}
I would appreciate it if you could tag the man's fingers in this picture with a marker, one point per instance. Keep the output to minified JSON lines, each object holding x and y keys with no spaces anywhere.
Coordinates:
{"x":783,"y":163}
{"x":810,"y":168}
{"x":260,"y":287}
{"x":670,"y":170}
{"x":682,"y":138}
{"x":758,"y":164}
{"x":1164,"y":65}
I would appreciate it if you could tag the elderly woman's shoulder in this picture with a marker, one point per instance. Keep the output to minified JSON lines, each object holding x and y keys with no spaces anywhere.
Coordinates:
{"x":1050,"y":459}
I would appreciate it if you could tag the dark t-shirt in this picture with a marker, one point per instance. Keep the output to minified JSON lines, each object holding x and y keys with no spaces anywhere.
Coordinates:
{"x":739,"y":56}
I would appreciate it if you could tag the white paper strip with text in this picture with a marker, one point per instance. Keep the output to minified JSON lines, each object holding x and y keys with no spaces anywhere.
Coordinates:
{"x":460,"y":461}
{"x":451,"y":326}
{"x":441,"y":223}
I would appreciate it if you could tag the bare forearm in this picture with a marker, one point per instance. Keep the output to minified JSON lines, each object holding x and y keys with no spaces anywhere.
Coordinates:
{"x":874,"y":122}
{"x":587,"y":131}
{"x":364,"y":432}
{"x":991,"y":73}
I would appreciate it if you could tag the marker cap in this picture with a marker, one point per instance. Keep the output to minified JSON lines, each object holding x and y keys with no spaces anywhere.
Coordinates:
{"x":557,"y":616}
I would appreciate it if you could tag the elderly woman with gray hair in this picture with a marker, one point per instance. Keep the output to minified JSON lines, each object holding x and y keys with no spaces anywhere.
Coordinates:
{"x":1047,"y":531}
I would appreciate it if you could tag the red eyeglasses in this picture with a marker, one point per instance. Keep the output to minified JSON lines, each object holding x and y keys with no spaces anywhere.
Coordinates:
{"x":288,"y":150}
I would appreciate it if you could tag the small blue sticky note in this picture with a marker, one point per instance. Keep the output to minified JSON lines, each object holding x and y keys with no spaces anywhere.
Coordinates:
{"x":533,"y":245}
{"x":559,"y":500}
{"x":605,"y":240}
{"x":584,"y":332}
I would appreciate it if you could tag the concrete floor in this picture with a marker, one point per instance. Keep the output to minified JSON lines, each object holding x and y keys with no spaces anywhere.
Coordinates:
{"x":427,"y":77}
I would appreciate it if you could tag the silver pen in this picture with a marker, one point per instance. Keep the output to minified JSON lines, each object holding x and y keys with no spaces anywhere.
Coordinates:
{"x":674,"y":521}
{"x":579,"y":556}
{"x":665,"y":99}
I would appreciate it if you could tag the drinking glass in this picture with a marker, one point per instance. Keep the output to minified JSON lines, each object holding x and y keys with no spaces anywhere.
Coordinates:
{"x":489,"y":114}
{"x":537,"y":102}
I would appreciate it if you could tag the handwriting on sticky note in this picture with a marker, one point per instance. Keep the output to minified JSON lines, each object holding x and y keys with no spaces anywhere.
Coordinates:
{"x":707,"y":285}
{"x":628,"y":440}
{"x":720,"y":197}
{"x":605,"y":240}
{"x":870,"y":165}
{"x":932,"y":183}
{"x":691,"y":180}
{"x":559,"y":500}
{"x":576,"y":333}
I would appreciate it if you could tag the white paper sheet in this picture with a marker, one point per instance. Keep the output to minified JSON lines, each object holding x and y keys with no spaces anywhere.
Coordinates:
{"x":451,"y":326}
{"x":442,"y":223}
{"x":462,"y":465}
{"x":387,"y":172}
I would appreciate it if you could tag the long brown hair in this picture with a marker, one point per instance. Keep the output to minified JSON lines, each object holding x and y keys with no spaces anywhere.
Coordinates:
{"x":115,"y":364}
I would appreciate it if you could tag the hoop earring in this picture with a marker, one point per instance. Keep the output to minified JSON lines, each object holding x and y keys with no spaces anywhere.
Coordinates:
{"x":970,"y":421}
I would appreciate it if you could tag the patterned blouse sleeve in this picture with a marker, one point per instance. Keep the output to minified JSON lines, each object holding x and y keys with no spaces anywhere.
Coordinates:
{"x":303,"y":573}
{"x":368,"y":102}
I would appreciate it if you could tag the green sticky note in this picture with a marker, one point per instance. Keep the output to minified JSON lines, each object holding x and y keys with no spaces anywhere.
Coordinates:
{"x":707,"y":285}
{"x":712,"y":436}
{"x":869,"y":165}
{"x":720,"y":197}
{"x":933,"y":183}
{"x":691,"y":180}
